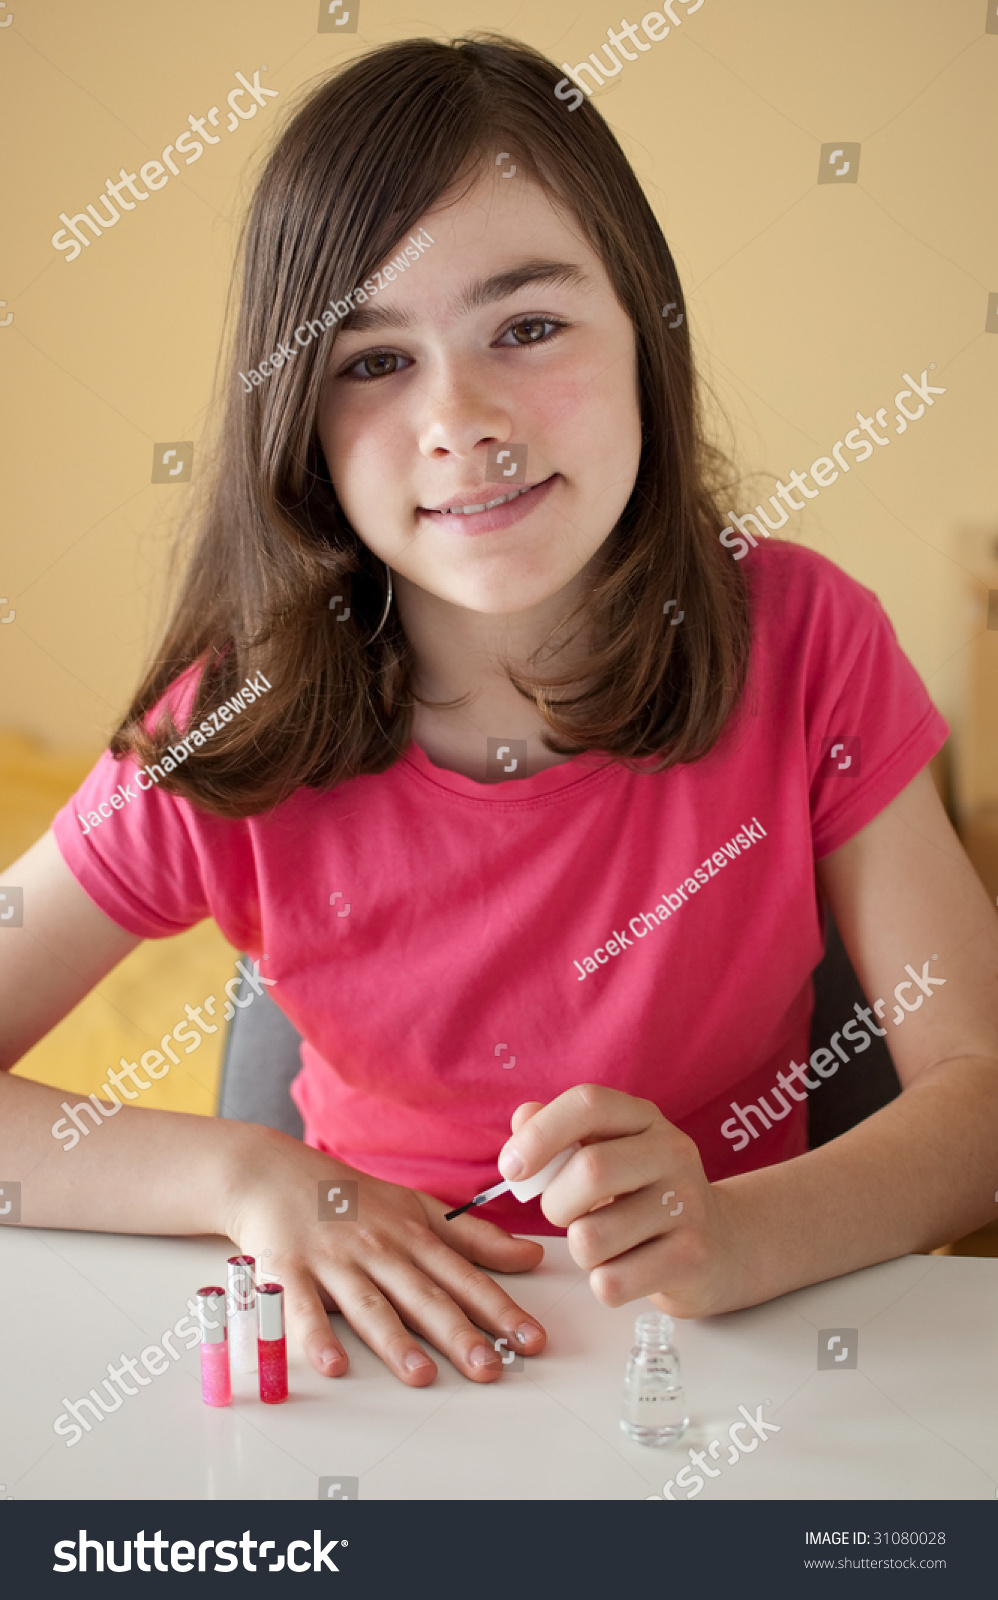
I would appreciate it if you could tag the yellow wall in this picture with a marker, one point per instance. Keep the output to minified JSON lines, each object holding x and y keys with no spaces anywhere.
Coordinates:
{"x":144,"y":997}
{"x":807,"y":302}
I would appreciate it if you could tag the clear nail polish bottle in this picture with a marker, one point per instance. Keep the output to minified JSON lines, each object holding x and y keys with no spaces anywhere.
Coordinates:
{"x":654,"y":1410}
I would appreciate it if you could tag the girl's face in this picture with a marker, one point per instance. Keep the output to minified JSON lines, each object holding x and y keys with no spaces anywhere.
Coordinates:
{"x":505,"y":332}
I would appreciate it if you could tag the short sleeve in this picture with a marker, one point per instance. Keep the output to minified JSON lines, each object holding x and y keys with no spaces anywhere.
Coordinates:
{"x":871,"y":724}
{"x":132,"y":849}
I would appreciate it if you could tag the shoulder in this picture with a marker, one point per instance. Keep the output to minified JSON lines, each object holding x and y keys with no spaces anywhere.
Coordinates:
{"x":177,"y":698}
{"x":800,"y":600}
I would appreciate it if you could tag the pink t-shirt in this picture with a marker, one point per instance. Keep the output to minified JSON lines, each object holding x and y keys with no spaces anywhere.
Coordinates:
{"x":652,"y":932}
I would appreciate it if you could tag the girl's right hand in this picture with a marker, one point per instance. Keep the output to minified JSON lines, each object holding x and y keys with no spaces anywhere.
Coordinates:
{"x":400,"y":1266}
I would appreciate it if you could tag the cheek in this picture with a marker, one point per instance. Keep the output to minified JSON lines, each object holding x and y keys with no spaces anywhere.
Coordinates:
{"x":585,"y":411}
{"x":363,"y":451}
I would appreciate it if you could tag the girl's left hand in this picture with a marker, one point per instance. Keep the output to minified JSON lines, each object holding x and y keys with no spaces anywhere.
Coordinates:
{"x":642,"y":1218}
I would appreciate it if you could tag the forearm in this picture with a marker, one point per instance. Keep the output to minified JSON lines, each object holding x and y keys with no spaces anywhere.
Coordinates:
{"x":138,"y":1172}
{"x":918,"y":1173}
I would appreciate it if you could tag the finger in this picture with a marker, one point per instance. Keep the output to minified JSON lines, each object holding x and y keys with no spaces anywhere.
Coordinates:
{"x":588,"y":1111}
{"x":521,"y":1113}
{"x":602,"y":1171}
{"x":481,"y":1241}
{"x":307,"y":1319}
{"x":646,"y":1270}
{"x":375,"y":1320}
{"x":429,"y":1309}
{"x":484,"y":1301}
{"x":632,"y":1220}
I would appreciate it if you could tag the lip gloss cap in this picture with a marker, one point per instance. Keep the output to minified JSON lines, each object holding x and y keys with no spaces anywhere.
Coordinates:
{"x":211,"y":1314}
{"x":270,"y":1310}
{"x":241,"y":1283}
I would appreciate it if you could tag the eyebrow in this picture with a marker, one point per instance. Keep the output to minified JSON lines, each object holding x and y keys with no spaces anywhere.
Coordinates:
{"x":484,"y":292}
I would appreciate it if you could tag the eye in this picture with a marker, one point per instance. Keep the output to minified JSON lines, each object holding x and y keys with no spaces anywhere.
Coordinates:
{"x":531,"y":330}
{"x":375,"y":364}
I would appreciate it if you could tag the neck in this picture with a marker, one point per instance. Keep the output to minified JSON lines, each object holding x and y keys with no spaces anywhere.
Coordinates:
{"x":458,"y":652}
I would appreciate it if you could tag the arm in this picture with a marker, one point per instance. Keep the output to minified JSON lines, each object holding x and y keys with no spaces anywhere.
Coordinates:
{"x":165,"y":1172}
{"x":923,"y":1169}
{"x":919,"y":1172}
{"x":149,"y":1171}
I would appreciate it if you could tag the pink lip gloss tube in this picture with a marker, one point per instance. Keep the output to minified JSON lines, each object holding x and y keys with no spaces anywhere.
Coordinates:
{"x":241,"y":1309}
{"x":272,"y":1347}
{"x":216,"y":1385}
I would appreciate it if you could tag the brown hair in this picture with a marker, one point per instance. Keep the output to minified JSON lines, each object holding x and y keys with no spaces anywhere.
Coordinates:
{"x":361,"y":160}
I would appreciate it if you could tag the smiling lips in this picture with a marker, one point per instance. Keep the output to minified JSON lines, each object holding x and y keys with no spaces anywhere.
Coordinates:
{"x":500,"y":500}
{"x":490,"y":516}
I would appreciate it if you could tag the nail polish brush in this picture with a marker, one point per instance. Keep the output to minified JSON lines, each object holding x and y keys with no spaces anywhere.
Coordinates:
{"x":523,"y":1188}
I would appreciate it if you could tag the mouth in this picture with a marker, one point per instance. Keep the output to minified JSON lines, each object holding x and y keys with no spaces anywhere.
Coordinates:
{"x":461,"y":508}
{"x":487,"y":515}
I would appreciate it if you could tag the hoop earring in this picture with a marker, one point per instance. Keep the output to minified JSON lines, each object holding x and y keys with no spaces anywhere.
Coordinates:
{"x":388,"y":606}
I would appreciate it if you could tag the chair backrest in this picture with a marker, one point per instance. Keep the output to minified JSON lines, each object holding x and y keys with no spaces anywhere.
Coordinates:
{"x":262,"y":1056}
{"x":867,"y":1081}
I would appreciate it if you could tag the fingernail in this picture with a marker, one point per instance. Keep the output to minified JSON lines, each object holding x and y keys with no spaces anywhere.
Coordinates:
{"x":484,"y":1356}
{"x":328,"y":1356}
{"x":527,"y":1330}
{"x":511,"y":1163}
{"x":416,"y":1359}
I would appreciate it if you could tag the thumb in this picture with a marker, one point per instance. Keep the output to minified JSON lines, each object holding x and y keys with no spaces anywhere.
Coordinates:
{"x":523,"y":1114}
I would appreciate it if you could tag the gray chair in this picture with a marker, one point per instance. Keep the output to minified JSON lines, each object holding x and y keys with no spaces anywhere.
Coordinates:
{"x":262,"y":1055}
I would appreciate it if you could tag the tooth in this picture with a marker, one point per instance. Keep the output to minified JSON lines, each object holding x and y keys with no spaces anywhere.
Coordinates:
{"x":469,"y":511}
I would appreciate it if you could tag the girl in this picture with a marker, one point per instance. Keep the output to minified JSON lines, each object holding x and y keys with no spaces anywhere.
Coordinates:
{"x":562,"y":756}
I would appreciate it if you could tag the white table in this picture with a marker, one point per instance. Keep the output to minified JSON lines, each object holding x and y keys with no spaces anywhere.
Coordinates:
{"x":915,"y":1420}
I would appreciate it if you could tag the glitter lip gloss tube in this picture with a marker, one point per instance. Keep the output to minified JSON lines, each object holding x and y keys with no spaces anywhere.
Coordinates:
{"x":216,"y":1386}
{"x":241,"y":1308}
{"x":272,"y":1347}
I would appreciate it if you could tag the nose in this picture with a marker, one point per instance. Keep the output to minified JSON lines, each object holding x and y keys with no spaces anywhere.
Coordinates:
{"x":460,"y":412}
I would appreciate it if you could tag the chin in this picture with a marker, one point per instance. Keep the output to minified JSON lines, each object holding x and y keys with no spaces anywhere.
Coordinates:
{"x":506,"y":592}
{"x":508,"y":604}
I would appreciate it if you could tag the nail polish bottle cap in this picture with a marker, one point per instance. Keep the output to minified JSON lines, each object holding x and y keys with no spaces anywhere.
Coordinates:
{"x":241,"y":1284}
{"x":211,"y":1314}
{"x":530,"y":1188}
{"x":654,"y":1329}
{"x":270,"y":1310}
